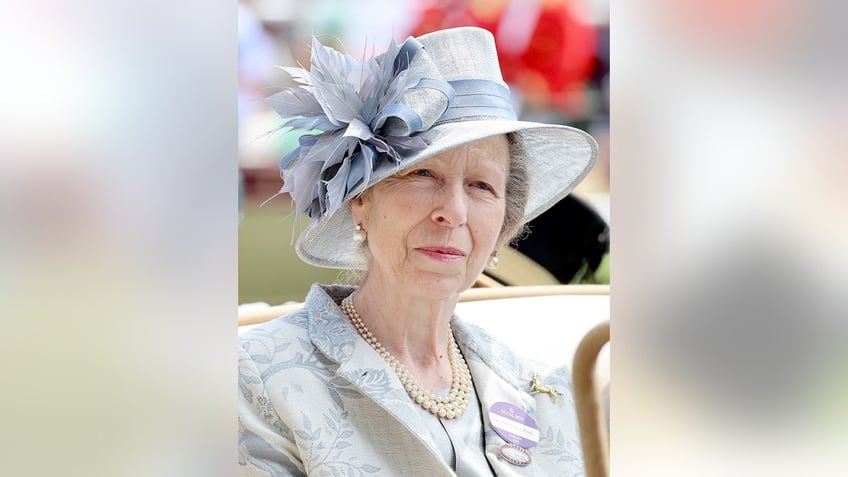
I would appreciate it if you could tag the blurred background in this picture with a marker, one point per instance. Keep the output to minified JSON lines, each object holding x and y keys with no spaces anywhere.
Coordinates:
{"x":554,"y":55}
{"x":119,"y":229}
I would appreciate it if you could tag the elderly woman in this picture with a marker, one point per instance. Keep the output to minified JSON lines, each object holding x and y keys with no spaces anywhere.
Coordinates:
{"x":416,"y":173}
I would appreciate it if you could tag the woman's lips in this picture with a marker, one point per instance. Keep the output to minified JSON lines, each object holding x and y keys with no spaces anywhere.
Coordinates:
{"x":444,"y":254}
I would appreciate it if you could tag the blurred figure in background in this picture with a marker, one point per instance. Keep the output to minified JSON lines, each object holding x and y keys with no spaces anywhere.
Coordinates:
{"x":257,"y":49}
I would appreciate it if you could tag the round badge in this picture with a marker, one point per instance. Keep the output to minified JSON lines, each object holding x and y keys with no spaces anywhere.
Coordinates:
{"x":514,"y":455}
{"x":513,"y":424}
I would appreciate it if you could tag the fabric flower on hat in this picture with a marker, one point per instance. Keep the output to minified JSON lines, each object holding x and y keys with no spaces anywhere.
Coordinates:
{"x":356,"y":113}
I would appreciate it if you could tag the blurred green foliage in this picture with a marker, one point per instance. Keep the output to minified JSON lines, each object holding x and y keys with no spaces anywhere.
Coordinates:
{"x":269,"y":269}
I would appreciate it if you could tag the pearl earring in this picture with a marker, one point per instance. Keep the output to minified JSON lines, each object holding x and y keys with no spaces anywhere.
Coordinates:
{"x":360,"y":235}
{"x":493,"y":260}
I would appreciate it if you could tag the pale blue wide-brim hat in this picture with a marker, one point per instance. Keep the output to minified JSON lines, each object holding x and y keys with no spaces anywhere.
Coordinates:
{"x":369,"y":119}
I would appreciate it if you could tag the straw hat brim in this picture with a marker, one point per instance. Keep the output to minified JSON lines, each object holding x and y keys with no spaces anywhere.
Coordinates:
{"x":558,"y":157}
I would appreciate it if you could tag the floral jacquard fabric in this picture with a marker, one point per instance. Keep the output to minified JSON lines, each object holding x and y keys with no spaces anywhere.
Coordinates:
{"x":316,"y":400}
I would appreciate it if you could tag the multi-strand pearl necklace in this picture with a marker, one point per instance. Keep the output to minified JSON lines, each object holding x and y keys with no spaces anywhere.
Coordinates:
{"x":450,"y":406}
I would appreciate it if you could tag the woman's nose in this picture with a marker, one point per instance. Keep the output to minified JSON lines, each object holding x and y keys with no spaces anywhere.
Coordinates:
{"x":450,"y":206}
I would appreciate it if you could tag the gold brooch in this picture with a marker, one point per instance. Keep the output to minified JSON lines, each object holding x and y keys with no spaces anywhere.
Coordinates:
{"x":536,"y":387}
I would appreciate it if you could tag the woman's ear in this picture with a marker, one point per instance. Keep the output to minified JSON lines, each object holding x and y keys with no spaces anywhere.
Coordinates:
{"x":357,"y":209}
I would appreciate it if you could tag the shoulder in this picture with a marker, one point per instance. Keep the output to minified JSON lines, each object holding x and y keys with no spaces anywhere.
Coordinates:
{"x":305,"y":336}
{"x":287,"y":328}
{"x":295,"y":325}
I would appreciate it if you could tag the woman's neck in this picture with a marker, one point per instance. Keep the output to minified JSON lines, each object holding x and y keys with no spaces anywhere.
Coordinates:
{"x":413,"y":328}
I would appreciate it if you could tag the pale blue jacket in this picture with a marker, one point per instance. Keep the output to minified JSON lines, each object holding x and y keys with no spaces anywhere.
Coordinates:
{"x":315,"y":399}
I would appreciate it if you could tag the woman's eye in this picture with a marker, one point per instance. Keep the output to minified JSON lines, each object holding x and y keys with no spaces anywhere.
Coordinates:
{"x":481,"y":185}
{"x":423,"y":172}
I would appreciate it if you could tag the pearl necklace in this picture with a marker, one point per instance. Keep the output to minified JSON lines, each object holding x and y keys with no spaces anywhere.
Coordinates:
{"x":447,"y":407}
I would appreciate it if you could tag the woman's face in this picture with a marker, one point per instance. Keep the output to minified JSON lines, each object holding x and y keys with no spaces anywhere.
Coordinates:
{"x":431,"y":228}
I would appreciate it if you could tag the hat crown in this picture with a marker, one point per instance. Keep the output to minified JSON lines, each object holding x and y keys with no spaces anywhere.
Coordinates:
{"x":464,"y":53}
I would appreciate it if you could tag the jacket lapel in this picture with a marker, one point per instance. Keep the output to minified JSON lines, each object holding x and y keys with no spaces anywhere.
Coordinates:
{"x":497,"y":378}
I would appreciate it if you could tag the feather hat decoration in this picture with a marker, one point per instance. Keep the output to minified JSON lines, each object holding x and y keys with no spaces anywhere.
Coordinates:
{"x":359,"y":112}
{"x":365,"y":120}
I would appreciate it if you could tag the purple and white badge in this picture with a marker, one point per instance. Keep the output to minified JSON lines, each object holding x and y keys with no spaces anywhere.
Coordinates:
{"x":513,"y":424}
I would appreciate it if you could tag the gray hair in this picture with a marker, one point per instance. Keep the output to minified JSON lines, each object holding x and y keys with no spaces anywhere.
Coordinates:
{"x":517,"y":191}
